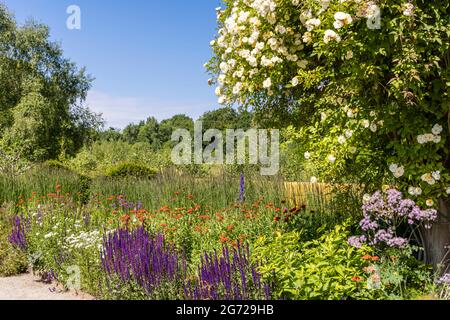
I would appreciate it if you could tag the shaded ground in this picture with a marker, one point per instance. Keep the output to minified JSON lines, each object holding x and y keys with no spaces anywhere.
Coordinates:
{"x":29,"y":287}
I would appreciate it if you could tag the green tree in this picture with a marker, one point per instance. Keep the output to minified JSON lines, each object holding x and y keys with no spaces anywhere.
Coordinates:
{"x":179,"y":121}
{"x":41,"y":94}
{"x":110,"y":135}
{"x":149,"y":133}
{"x":370,"y":101}
{"x":131,"y":132}
{"x":226,"y":118}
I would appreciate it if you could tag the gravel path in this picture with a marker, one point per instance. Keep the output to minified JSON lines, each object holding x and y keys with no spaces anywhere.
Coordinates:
{"x":28,"y":287}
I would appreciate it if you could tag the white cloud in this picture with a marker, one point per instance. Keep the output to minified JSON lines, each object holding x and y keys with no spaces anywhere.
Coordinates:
{"x":119,"y":111}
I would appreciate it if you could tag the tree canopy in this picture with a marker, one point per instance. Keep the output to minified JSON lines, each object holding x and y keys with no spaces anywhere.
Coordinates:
{"x":41,"y":94}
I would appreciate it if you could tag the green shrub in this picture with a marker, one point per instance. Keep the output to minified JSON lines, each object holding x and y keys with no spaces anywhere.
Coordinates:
{"x":56,"y":164}
{"x":130,"y":169}
{"x":323,"y":269}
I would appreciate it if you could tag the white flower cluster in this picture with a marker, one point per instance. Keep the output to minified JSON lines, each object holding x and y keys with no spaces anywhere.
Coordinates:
{"x":257,"y":38}
{"x":397,"y":171}
{"x":434,"y":136}
{"x":415,"y":191}
{"x":50,"y":235}
{"x":432,"y":177}
{"x":84,"y":240}
{"x":342,"y":19}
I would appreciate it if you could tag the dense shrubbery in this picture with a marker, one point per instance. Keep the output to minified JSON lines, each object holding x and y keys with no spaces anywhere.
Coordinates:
{"x":131,"y":170}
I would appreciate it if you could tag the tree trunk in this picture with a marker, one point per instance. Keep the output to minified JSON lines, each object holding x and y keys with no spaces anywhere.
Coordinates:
{"x":437,"y":239}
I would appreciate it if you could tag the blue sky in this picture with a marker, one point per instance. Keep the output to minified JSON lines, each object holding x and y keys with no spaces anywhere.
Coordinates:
{"x":146,"y":56}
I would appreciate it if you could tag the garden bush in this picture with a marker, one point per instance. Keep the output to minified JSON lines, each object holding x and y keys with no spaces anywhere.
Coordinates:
{"x":326,"y":268}
{"x":131,"y":169}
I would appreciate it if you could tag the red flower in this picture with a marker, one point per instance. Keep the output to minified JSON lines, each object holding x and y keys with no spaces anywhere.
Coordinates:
{"x":224,"y":239}
{"x":375,"y":258}
{"x":356,"y":279}
{"x":366,"y":257}
{"x":277,"y":219}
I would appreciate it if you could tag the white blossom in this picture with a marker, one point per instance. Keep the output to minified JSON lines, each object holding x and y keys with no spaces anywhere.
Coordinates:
{"x":330,"y":35}
{"x":437,"y":129}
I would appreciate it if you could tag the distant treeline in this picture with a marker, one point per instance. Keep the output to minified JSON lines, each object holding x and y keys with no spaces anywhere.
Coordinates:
{"x":158,"y":134}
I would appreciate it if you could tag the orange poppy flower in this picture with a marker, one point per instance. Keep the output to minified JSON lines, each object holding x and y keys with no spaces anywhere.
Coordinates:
{"x":356,"y":279}
{"x":230,"y":227}
{"x":224,"y":239}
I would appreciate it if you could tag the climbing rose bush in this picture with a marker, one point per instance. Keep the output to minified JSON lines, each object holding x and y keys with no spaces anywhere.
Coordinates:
{"x":384,"y":214}
{"x":364,"y":83}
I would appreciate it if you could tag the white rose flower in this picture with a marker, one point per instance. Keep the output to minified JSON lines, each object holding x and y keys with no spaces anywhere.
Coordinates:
{"x":313,"y":180}
{"x":349,"y":133}
{"x":415,"y":191}
{"x":365,"y":123}
{"x":428,"y":178}
{"x":307,"y":155}
{"x":294,"y":82}
{"x":393,"y":167}
{"x":312,"y":23}
{"x":331,"y":158}
{"x":437,"y":139}
{"x":330,"y":35}
{"x":237,"y":88}
{"x":338,"y":24}
{"x":366,"y":198}
{"x":222,"y":100}
{"x":341,"y":139}
{"x":224,"y":67}
{"x":437,"y":129}
{"x":399,"y":172}
{"x":436,"y":175}
{"x":307,"y":37}
{"x":408,"y":9}
{"x":373,"y":127}
{"x":344,"y":18}
{"x":418,"y":191}
{"x":421,"y":139}
{"x":267,"y":83}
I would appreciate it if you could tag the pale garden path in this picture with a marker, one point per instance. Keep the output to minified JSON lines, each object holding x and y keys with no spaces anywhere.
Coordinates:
{"x":28,"y":287}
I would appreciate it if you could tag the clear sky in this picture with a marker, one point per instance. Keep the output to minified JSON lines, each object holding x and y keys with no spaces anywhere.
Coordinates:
{"x":146,"y":56}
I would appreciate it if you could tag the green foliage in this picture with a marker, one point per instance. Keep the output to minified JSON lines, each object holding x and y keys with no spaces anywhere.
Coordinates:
{"x":41,"y":95}
{"x":402,"y":275}
{"x":318,"y":269}
{"x":56,"y":164}
{"x":93,"y":160}
{"x":131,"y":169}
